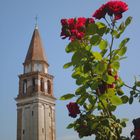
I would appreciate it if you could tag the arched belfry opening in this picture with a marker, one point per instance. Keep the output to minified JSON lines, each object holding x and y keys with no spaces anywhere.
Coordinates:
{"x":49,"y":87}
{"x":24,"y":87}
{"x":42,"y":85}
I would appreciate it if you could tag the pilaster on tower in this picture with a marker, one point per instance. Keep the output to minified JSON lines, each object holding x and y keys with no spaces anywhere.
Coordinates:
{"x":35,"y":100}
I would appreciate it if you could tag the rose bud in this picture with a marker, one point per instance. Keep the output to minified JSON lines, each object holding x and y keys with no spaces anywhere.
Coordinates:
{"x":116,"y":77}
{"x":110,"y":70}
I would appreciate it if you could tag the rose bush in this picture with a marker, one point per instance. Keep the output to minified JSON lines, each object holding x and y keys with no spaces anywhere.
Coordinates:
{"x":96,"y":64}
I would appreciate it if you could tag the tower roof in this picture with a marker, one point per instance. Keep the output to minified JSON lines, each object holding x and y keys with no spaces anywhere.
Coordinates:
{"x":36,"y":51}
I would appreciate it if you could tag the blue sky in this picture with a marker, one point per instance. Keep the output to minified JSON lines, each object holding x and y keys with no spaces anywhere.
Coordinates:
{"x":16,"y":28}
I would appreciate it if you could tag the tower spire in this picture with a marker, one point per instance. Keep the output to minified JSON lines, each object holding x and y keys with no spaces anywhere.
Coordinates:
{"x":36,"y":22}
{"x":36,"y":50}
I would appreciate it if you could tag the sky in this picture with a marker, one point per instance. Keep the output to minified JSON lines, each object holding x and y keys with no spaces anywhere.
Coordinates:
{"x":17,"y":21}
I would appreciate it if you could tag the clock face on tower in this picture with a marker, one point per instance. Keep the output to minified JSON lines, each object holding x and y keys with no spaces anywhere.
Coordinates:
{"x":38,"y":67}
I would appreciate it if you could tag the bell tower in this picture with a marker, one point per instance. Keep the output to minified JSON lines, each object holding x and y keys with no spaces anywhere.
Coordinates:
{"x":35,"y":100}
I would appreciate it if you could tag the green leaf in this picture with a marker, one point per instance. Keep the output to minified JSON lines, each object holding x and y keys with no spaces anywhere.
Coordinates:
{"x":112,"y":107}
{"x":95,"y":40}
{"x":116,"y":100}
{"x":81,"y":90}
{"x":101,"y":28}
{"x":116,"y":58}
{"x":92,"y":99}
{"x":122,"y":26}
{"x":100,"y":105}
{"x":103,"y":44}
{"x":91,"y":29}
{"x":121,"y":29}
{"x":67,"y":96}
{"x":130,"y":100}
{"x":72,"y":46}
{"x":120,"y":92}
{"x":76,"y":74}
{"x":116,"y":65}
{"x":110,"y":92}
{"x":108,"y":78}
{"x":80,"y":80}
{"x":128,"y":21}
{"x":103,"y":52}
{"x":105,"y":122}
{"x":123,"y":124}
{"x":107,"y":30}
{"x":81,"y":100}
{"x":71,"y":125}
{"x":94,"y":85}
{"x":97,"y":56}
{"x":88,"y":107}
{"x":95,"y":125}
{"x":76,"y":58}
{"x":87,"y":67}
{"x":123,"y":42}
{"x":137,"y":83}
{"x":101,"y":67}
{"x":67,"y":65}
{"x":125,"y":99}
{"x":114,"y":33}
{"x":122,"y":51}
{"x":124,"y":120}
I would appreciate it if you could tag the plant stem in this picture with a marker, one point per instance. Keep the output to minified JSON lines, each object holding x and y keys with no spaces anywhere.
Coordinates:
{"x":112,"y":40}
{"x":131,"y":87}
{"x":107,"y":23}
{"x":105,"y":109}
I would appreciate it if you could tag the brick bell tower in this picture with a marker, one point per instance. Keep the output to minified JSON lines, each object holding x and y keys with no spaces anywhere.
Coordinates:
{"x":35,"y":100}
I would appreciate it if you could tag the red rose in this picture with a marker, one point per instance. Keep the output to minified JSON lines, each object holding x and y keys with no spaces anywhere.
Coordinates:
{"x":71,"y":23}
{"x":74,"y":28}
{"x":116,"y":7}
{"x":73,"y":109}
{"x":81,"y":20}
{"x":80,"y":23}
{"x":90,"y":20}
{"x":118,"y":16}
{"x":64,"y":22}
{"x":79,"y":35}
{"x":100,"y":13}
